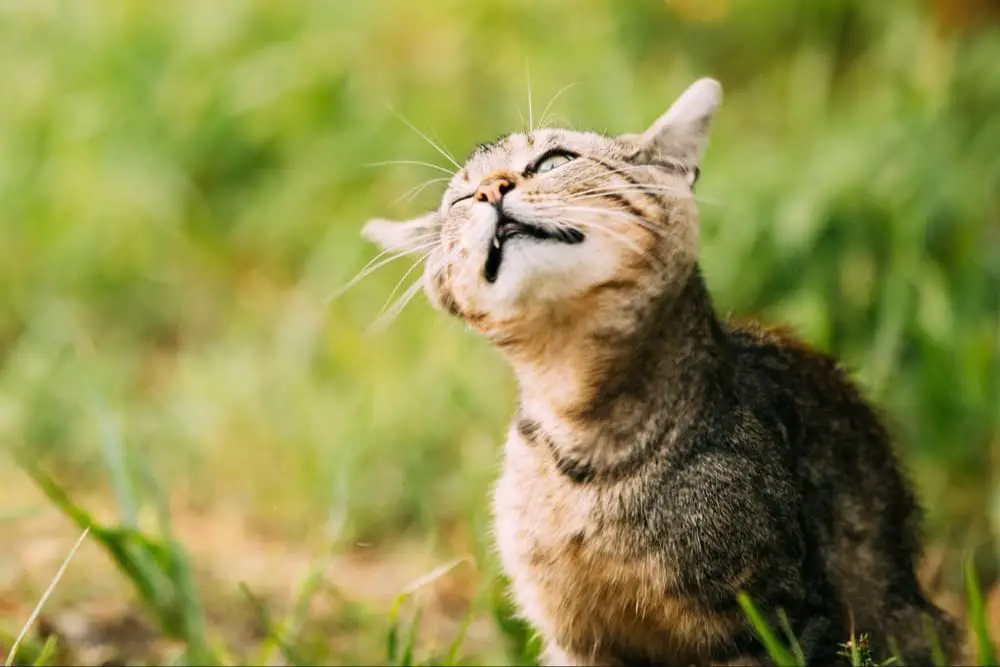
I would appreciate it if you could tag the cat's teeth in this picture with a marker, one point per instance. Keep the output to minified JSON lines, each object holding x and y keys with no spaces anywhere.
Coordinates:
{"x":496,"y":243}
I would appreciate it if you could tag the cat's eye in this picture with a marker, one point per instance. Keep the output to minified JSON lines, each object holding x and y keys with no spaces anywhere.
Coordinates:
{"x":462,"y":198}
{"x":551,"y":161}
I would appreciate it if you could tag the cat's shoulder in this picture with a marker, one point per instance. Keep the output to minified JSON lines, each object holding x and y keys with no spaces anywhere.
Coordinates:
{"x":773,"y":363}
{"x":777,"y":346}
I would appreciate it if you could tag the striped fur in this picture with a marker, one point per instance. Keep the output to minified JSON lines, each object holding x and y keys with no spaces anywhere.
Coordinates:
{"x":661,"y":460}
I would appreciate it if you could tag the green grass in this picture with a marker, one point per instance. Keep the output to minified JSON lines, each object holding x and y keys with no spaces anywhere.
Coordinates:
{"x":856,"y":647}
{"x":183,"y":185}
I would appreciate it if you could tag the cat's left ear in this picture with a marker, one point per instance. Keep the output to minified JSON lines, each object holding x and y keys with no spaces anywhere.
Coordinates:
{"x":402,"y":237}
{"x":681,"y":134}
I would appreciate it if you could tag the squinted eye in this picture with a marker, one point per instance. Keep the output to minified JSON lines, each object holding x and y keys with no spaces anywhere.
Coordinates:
{"x":552,"y":161}
{"x":462,"y":198}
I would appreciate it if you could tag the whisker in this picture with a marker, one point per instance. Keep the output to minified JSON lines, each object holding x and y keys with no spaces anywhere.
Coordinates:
{"x":566,"y":122}
{"x":406,"y":275}
{"x":636,"y":187}
{"x":597,"y":167}
{"x":599,"y":210}
{"x":448,"y":156}
{"x":416,"y":162}
{"x":614,"y":235}
{"x":662,"y":232}
{"x":598,"y":193}
{"x":531,"y":113}
{"x":645,"y":224}
{"x":548,"y":106}
{"x":520,"y":116}
{"x":374,"y":265}
{"x":643,"y":188}
{"x":681,"y":193}
{"x":387,"y":318}
{"x":417,"y":189}
{"x":592,"y":225}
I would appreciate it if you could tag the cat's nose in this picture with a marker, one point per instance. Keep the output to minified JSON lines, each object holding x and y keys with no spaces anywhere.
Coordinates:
{"x":495,"y":186}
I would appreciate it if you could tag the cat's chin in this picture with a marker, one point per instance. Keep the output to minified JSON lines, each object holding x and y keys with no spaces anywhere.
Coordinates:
{"x":510,"y":230}
{"x":529,"y":277}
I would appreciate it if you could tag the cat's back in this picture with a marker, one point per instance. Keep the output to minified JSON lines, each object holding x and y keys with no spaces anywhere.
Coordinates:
{"x":861,"y":511}
{"x":827,"y":418}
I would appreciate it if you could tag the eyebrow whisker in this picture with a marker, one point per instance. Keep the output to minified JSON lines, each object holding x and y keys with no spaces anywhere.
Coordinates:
{"x":548,"y":106}
{"x":448,"y":156}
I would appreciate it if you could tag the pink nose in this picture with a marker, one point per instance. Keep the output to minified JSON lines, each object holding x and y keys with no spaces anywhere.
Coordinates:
{"x":495,"y":186}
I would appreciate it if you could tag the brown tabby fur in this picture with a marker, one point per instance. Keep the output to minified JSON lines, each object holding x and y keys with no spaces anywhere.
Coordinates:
{"x":661,"y":460}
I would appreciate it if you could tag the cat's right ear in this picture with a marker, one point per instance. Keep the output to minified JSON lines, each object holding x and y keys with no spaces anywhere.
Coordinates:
{"x":402,"y":237}
{"x":681,"y":133}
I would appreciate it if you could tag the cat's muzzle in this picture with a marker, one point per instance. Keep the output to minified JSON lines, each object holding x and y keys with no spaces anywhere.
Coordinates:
{"x":508,"y":228}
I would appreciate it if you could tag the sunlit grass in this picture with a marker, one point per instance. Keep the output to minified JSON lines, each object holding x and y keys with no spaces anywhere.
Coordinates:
{"x":183,"y":186}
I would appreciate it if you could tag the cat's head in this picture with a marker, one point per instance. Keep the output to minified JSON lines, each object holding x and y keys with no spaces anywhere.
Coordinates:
{"x":555,"y":225}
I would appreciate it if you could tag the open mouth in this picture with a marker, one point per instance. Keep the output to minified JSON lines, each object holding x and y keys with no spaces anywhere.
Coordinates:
{"x":508,"y":228}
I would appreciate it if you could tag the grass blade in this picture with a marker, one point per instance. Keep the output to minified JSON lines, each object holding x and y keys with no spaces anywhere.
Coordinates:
{"x":411,"y":640}
{"x":786,"y":626}
{"x":48,"y":650}
{"x":451,"y":658}
{"x":45,"y":596}
{"x":271,"y":630}
{"x":778,"y":652}
{"x":986,"y":655}
{"x":311,"y":584}
{"x":930,"y":632}
{"x":392,"y":634}
{"x":114,"y":457}
{"x":158,"y":571}
{"x":521,"y":643}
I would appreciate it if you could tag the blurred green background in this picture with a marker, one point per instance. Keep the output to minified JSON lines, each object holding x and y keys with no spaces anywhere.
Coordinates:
{"x":182,"y":185}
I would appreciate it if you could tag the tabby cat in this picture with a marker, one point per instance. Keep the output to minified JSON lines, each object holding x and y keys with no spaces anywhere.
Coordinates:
{"x":661,"y":459}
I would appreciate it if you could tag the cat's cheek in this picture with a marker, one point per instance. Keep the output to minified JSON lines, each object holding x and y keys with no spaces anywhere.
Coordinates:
{"x":440,"y":297}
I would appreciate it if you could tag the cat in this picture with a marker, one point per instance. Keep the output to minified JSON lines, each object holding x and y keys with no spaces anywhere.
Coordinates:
{"x":660,"y":459}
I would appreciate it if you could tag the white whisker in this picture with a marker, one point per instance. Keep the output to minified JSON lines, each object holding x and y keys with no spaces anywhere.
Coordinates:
{"x":662,"y":232}
{"x":615,"y":235}
{"x":374,"y":265}
{"x":545,"y":112}
{"x":596,"y":169}
{"x":531,"y":113}
{"x":387,"y":318}
{"x":642,"y":188}
{"x":645,"y":224}
{"x":565,"y":122}
{"x":406,"y":275}
{"x":448,"y":156}
{"x":417,"y":189}
{"x":415,"y":162}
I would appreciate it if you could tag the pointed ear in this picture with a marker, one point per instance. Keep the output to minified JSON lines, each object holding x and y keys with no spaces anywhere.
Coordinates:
{"x":681,"y":133}
{"x":405,"y":237}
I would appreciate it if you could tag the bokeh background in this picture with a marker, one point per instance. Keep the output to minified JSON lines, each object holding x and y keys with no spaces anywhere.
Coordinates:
{"x":181,"y":189}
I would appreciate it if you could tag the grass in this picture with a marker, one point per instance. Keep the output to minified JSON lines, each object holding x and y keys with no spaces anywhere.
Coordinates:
{"x":183,"y":185}
{"x":159,"y":571}
{"x":856,"y":648}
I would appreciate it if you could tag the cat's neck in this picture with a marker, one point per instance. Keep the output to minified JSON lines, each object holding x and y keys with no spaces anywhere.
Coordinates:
{"x":607,"y":393}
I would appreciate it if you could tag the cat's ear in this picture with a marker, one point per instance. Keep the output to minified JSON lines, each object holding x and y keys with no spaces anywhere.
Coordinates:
{"x":681,"y":133}
{"x":402,"y":237}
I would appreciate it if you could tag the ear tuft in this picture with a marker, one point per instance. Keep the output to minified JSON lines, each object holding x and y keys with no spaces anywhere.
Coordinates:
{"x":695,"y":105}
{"x":405,"y":237}
{"x":682,"y":132}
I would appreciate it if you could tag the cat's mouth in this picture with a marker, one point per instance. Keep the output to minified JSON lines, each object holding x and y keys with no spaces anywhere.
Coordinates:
{"x":508,"y":228}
